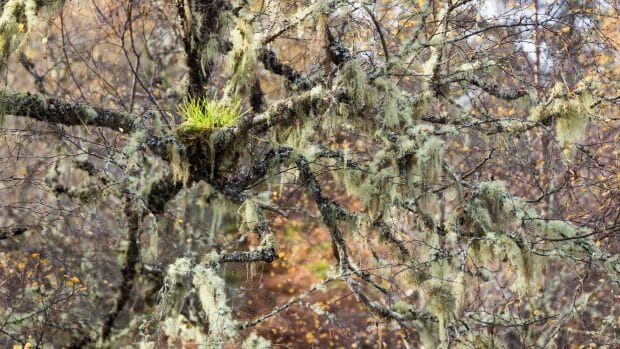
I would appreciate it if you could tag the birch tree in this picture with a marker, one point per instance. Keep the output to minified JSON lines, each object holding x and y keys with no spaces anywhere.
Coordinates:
{"x":456,"y":161}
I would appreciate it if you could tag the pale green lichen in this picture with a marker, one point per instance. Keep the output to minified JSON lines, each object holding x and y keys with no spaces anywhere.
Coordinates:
{"x":556,"y":229}
{"x":502,"y":206}
{"x":151,"y":253}
{"x":211,"y":50}
{"x":394,"y":105}
{"x":250,"y":215}
{"x":431,"y":63}
{"x":441,"y":302}
{"x":174,"y":288}
{"x":16,"y":22}
{"x":242,"y":57}
{"x":480,"y":341}
{"x":459,"y":286}
{"x":406,"y":310}
{"x":220,"y":208}
{"x":355,"y":81}
{"x":429,"y":158}
{"x":179,"y":166}
{"x":571,"y":109}
{"x":417,"y":274}
{"x":211,"y":291}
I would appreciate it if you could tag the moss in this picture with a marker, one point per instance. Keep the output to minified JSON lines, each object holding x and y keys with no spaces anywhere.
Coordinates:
{"x":203,"y":113}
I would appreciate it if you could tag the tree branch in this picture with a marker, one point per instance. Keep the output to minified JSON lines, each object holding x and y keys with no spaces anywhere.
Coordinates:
{"x":56,"y":111}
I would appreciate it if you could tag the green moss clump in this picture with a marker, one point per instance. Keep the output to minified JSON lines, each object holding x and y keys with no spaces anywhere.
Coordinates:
{"x":205,"y":114}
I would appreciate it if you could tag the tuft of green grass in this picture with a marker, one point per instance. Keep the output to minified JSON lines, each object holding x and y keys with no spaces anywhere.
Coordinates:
{"x":203,"y":113}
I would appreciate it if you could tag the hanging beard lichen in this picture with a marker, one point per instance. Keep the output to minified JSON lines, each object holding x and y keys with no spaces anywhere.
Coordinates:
{"x":242,"y":58}
{"x":171,"y":299}
{"x":394,"y":104}
{"x":571,"y":110}
{"x":441,"y":303}
{"x":480,"y":341}
{"x":211,"y":290}
{"x":220,"y":208}
{"x":178,"y":165}
{"x":521,"y":260}
{"x":174,"y":289}
{"x":18,"y":19}
{"x":429,"y":157}
{"x":355,"y":82}
{"x":504,"y":208}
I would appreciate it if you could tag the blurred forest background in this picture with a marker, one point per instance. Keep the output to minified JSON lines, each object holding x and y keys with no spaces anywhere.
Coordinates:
{"x":310,"y":174}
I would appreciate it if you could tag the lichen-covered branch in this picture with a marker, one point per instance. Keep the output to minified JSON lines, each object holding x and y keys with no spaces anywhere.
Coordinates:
{"x":52,"y":110}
